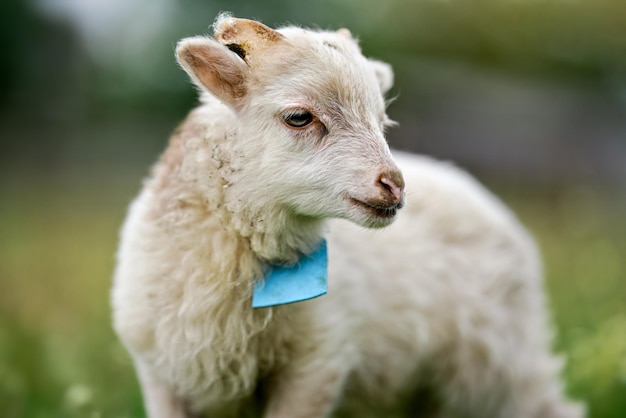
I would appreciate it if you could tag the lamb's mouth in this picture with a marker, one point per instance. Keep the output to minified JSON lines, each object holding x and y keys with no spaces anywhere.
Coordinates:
{"x":380,"y":211}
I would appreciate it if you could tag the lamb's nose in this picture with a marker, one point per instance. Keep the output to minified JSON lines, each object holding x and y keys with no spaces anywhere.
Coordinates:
{"x":393,"y":183}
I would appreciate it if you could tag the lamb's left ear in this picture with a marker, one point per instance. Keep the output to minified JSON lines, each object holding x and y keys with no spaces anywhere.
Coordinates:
{"x":222,"y":66}
{"x":214,"y":67}
{"x":384,"y":74}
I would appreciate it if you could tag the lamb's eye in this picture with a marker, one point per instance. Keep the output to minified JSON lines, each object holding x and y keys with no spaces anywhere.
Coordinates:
{"x":298,"y":119}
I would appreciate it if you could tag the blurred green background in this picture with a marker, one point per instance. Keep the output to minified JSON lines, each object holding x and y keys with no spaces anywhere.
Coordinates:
{"x":530,"y":96}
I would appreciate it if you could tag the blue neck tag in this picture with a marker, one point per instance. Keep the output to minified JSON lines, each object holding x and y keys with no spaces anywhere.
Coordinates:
{"x":305,"y":280}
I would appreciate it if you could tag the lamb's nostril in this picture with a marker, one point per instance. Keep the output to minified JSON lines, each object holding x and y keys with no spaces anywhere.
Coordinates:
{"x":394,"y":184}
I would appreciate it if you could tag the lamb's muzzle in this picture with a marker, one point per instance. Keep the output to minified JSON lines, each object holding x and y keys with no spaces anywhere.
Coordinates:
{"x":392,"y":183}
{"x":382,"y":207}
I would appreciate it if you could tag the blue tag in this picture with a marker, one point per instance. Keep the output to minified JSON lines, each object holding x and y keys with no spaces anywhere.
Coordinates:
{"x":305,"y":280}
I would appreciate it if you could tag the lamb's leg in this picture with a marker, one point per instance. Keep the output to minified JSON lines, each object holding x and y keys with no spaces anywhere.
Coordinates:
{"x":300,"y":395}
{"x":495,"y":374}
{"x":310,"y":386}
{"x":159,"y":400}
{"x":501,"y":394}
{"x":525,"y":395}
{"x":536,"y":390}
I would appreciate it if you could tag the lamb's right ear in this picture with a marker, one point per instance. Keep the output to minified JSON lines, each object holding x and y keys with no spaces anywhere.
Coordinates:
{"x":214,"y":67}
{"x":384,"y":74}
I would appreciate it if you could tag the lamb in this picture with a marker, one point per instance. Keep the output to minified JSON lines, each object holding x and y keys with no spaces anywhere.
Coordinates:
{"x":434,"y":306}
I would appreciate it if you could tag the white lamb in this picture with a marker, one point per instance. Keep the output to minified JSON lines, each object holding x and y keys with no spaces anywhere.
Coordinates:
{"x":446,"y":300}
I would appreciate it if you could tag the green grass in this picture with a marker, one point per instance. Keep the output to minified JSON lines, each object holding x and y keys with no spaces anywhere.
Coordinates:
{"x":58,"y":354}
{"x":582,"y":234}
{"x":60,"y":358}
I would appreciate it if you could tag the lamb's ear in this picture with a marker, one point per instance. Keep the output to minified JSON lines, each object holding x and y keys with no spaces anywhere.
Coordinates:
{"x":345,"y":33}
{"x":214,"y":67}
{"x":384,"y":74}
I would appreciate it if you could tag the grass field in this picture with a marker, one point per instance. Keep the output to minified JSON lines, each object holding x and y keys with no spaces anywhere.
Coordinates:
{"x":60,"y":358}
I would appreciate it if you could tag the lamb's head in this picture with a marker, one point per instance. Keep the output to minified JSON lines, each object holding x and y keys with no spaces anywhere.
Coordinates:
{"x":311,"y":114}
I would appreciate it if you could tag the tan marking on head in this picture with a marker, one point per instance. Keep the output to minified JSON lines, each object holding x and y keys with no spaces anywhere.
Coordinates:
{"x":249,"y":35}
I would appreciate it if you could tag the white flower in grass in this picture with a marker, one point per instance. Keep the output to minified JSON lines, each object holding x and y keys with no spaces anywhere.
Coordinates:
{"x":78,"y":395}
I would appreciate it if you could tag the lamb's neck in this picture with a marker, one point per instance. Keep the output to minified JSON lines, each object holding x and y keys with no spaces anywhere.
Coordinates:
{"x":275,"y":235}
